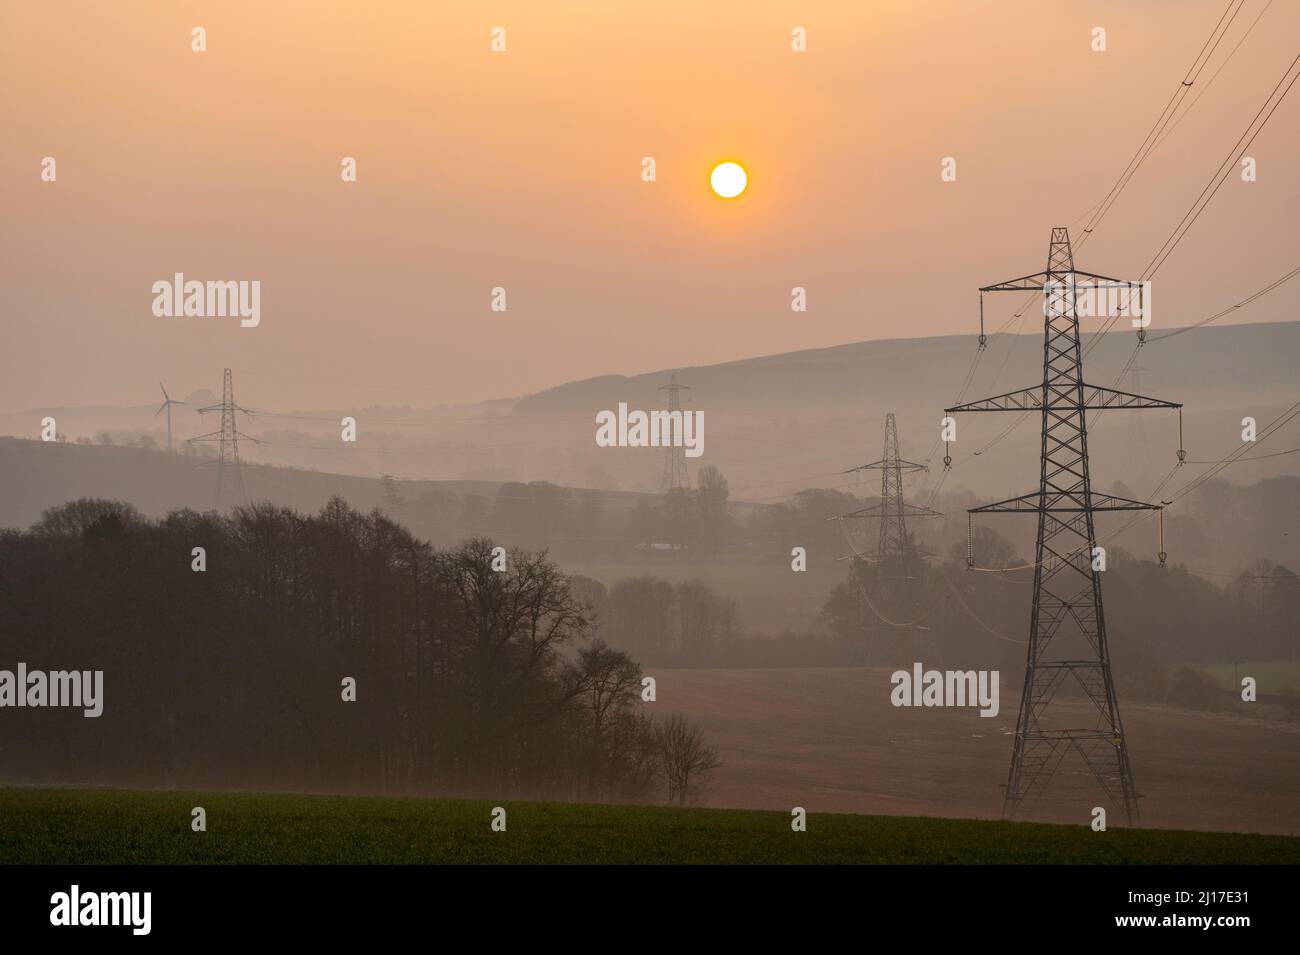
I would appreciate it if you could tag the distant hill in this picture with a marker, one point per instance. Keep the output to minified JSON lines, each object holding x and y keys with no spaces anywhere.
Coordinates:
{"x":780,"y":422}
{"x":38,"y":475}
{"x":820,"y":410}
{"x":1219,"y":363}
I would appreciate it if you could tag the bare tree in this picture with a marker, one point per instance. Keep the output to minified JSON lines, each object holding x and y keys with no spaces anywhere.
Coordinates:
{"x":611,"y":681}
{"x":711,"y":494}
{"x":684,"y":757}
{"x":393,"y":504}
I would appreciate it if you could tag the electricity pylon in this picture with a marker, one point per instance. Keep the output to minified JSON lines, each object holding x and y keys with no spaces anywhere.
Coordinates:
{"x":230,"y":479}
{"x":898,"y":561}
{"x":674,"y":475}
{"x":1067,"y":562}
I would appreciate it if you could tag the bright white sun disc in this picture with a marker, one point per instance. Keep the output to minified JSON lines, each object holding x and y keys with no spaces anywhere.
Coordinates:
{"x":728,"y":179}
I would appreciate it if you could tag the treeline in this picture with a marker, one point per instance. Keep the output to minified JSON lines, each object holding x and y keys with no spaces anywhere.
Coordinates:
{"x":689,"y":624}
{"x":474,"y":669}
{"x":574,"y":521}
{"x":941,"y":613}
{"x":592,"y":524}
{"x":1158,"y":618}
{"x":684,"y":624}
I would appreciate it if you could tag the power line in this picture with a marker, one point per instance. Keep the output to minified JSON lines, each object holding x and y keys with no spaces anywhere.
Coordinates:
{"x":1207,"y":193}
{"x":1098,"y":212}
{"x":1231,"y":308}
{"x":1166,"y":115}
{"x":976,"y":617}
{"x":1210,"y":82}
{"x":1254,"y":457}
{"x":1227,"y":166}
{"x":1205,"y":321}
{"x":1210,"y":473}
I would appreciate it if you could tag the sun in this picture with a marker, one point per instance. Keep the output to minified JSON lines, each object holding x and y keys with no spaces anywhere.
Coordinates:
{"x":728,"y":179}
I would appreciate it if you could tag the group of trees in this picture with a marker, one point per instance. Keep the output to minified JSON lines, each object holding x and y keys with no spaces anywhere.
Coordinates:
{"x":1158,"y":618}
{"x":1267,"y":594}
{"x":227,"y":668}
{"x":684,"y":624}
{"x":806,"y":520}
{"x":592,"y":524}
{"x":145,"y":442}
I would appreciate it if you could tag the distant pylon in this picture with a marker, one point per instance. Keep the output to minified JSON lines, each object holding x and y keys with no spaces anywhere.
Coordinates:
{"x":674,"y":475}
{"x":230,"y":479}
{"x":899,"y":562}
{"x":1067,"y":578}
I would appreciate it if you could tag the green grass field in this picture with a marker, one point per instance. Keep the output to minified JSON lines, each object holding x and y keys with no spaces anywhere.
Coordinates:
{"x":75,"y":826}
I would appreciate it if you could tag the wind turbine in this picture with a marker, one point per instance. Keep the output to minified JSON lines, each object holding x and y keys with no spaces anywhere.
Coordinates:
{"x":168,"y":401}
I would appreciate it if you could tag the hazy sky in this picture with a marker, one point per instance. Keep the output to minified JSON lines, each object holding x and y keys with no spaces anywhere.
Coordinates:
{"x":522,"y":169}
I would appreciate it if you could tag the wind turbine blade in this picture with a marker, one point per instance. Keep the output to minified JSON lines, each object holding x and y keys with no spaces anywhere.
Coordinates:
{"x":160,"y":409}
{"x":164,"y":391}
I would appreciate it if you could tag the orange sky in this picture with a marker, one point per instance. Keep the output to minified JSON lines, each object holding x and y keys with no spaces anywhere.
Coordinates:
{"x":522,"y":170}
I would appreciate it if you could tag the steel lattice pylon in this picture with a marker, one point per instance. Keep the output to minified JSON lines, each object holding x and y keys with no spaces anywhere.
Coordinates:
{"x":897,"y":558}
{"x":230,"y":479}
{"x":1067,"y":588}
{"x":674,"y":475}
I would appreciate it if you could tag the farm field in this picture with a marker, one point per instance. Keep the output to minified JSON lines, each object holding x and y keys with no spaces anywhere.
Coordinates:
{"x":74,"y":826}
{"x":1280,"y":677}
{"x":829,"y":740}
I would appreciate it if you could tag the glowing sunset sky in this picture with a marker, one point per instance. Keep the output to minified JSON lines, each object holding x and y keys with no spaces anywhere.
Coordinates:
{"x":523,"y":170}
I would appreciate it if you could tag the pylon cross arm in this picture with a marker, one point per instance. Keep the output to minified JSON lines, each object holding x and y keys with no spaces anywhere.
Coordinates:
{"x":1040,"y":280}
{"x":1113,"y":502}
{"x":875,"y":510}
{"x":886,"y":465}
{"x":1094,"y":398}
{"x":1104,"y":281}
{"x":1062,"y":503}
{"x":1026,"y":283}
